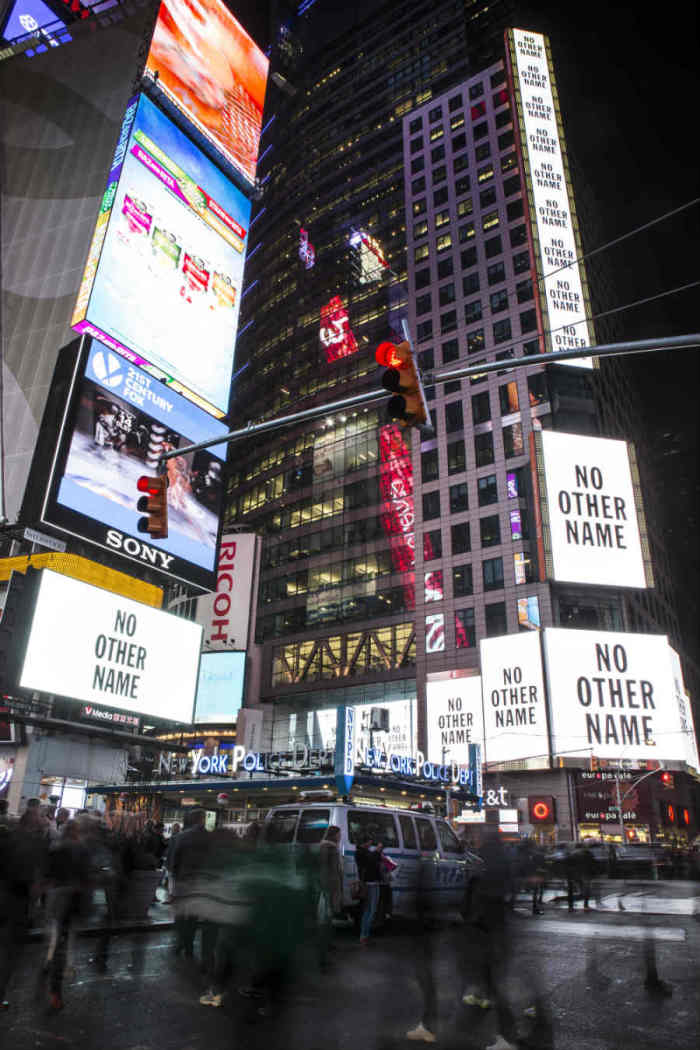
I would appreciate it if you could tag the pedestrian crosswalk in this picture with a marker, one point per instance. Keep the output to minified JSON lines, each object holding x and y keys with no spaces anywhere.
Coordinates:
{"x":609,"y":931}
{"x":636,"y":901}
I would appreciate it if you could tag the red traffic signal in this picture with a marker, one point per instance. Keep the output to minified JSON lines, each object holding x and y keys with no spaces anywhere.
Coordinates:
{"x":408,"y":406}
{"x":667,"y":779}
{"x":154,"y":504}
{"x":541,"y":809}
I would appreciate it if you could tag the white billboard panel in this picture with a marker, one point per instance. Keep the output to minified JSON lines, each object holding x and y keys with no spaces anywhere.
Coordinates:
{"x":593,"y":522}
{"x":99,"y":647}
{"x":454,"y":718}
{"x":685,"y":711}
{"x":612,"y":695}
{"x":225,"y":613}
{"x":564,"y":302}
{"x":515,"y":719}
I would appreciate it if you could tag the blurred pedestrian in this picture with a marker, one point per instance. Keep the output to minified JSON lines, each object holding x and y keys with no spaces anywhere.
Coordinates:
{"x":330,"y":900}
{"x":68,"y":872}
{"x":169,"y":854}
{"x":227,"y":907}
{"x":188,"y":865}
{"x":424,"y":957}
{"x":368,"y":860}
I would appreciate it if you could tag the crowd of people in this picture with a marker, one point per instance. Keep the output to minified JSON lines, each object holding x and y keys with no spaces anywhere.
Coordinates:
{"x":244,"y":909}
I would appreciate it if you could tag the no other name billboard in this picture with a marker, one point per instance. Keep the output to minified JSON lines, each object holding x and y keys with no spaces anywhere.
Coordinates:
{"x":613,"y":695}
{"x":591,"y":513}
{"x":101,"y":648}
{"x":513,"y":693}
{"x":106,"y":423}
{"x":210,"y":69}
{"x":163,"y":277}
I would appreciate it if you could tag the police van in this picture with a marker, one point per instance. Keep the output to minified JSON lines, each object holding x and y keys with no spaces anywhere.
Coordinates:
{"x":425,"y":850}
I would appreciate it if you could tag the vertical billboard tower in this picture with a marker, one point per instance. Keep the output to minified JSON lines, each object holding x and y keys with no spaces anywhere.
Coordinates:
{"x":562,"y":291}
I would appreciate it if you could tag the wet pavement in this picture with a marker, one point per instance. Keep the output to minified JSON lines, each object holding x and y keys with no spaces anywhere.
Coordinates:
{"x":588,"y":969}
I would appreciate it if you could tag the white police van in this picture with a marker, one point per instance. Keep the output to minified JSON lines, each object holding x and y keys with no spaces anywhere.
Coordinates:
{"x":424,"y":848}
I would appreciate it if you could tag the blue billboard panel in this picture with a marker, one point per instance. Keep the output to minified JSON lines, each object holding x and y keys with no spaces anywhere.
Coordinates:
{"x":220,"y":689}
{"x":163,"y":278}
{"x":118,"y":421}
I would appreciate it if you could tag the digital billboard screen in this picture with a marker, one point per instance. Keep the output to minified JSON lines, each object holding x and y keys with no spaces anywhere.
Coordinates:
{"x":117,"y":421}
{"x":214,"y":73}
{"x":99,"y":647}
{"x":163,"y":278}
{"x":220,"y":687}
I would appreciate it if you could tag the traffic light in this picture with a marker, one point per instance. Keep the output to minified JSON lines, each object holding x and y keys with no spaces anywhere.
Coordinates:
{"x":594,"y":763}
{"x":155,"y":505}
{"x":408,"y":406}
{"x":667,"y":779}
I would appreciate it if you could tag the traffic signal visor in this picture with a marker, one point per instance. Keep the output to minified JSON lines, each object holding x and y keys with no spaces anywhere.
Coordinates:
{"x":154,"y":506}
{"x":401,"y":378}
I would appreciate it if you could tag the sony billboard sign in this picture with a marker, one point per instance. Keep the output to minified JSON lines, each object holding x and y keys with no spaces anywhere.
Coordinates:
{"x":225,"y":613}
{"x":92,"y":645}
{"x":589,"y":510}
{"x":106,"y":423}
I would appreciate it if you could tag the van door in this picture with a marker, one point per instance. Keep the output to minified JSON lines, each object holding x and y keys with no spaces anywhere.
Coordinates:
{"x":379,"y":825}
{"x":452,"y":866}
{"x":429,"y":860}
{"x":405,"y":881}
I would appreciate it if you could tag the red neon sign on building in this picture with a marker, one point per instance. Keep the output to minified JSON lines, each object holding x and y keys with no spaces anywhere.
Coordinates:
{"x":336,"y":334}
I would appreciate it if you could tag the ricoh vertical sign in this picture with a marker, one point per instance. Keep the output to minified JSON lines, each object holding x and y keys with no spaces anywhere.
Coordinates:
{"x":225,"y":614}
{"x":564,"y":299}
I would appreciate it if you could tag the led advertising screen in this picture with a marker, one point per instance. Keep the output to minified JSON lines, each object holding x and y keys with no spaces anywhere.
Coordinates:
{"x":101,"y":648}
{"x":225,"y":613}
{"x":211,"y":70}
{"x":371,"y":257}
{"x":515,"y":717}
{"x":163,"y":278}
{"x":337,"y":337}
{"x":220,"y":687}
{"x":564,"y":300}
{"x":589,"y":510}
{"x":117,"y":421}
{"x":454,"y":718}
{"x":612,"y":695}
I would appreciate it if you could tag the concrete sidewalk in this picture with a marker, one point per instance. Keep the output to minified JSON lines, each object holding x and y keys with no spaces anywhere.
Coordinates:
{"x":160,"y":916}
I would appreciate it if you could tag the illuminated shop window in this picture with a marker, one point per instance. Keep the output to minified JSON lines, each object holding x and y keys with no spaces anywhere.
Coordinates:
{"x":434,"y":587}
{"x":513,"y":440}
{"x":432,"y":545}
{"x":465,"y":629}
{"x":435,"y":633}
{"x":508,"y":397}
{"x":444,"y":241}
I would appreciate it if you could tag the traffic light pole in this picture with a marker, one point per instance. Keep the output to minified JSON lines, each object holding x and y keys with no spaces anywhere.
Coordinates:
{"x":640,"y":346}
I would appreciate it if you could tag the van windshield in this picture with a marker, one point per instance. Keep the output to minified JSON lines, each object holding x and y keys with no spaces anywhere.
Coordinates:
{"x":312,"y":825}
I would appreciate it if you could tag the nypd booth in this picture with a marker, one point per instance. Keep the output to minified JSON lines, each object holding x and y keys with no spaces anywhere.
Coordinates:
{"x":236,"y":786}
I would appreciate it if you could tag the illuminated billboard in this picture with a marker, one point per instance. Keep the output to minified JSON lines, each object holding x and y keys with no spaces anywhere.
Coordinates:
{"x":592,"y":523}
{"x":371,"y":257}
{"x":561,"y":278}
{"x":101,"y":648}
{"x":454,"y":717}
{"x":220,"y":687}
{"x":225,"y":613}
{"x":214,"y":73}
{"x":335,"y":333}
{"x":164,"y":271}
{"x":515,"y":717}
{"x":114,"y":423}
{"x":612,"y":695}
